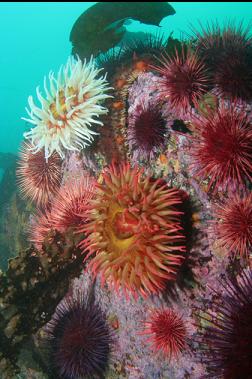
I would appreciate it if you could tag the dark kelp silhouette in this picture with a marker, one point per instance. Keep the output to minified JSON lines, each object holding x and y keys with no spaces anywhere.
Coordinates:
{"x":100,"y":27}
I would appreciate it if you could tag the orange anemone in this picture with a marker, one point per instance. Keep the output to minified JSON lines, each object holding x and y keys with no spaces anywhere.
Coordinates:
{"x":134,"y":231}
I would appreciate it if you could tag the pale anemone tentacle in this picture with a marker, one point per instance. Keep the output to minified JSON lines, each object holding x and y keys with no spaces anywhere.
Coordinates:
{"x":71,"y":105}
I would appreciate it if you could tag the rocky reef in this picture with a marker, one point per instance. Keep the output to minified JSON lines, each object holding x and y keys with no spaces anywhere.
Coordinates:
{"x":137,"y":210}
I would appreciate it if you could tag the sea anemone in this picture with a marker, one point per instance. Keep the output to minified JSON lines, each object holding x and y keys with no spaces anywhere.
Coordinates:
{"x":146,"y":131}
{"x":167,"y":332}
{"x":134,"y":230}
{"x":67,"y":210}
{"x":79,"y":339}
{"x":234,"y":225}
{"x":227,"y":53}
{"x":222,"y":146}
{"x":225,"y":333}
{"x":71,"y":106}
{"x":38,"y":178}
{"x":184,"y":80}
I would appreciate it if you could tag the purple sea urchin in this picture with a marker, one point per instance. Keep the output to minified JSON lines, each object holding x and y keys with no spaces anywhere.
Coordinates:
{"x":79,"y":339}
{"x":226,"y":337}
{"x":146,"y":131}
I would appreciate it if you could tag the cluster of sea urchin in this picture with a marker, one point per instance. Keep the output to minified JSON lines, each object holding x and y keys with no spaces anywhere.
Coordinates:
{"x":226,"y":337}
{"x":134,"y":230}
{"x":222,"y":146}
{"x":167,"y":332}
{"x":79,"y":339}
{"x":71,"y":105}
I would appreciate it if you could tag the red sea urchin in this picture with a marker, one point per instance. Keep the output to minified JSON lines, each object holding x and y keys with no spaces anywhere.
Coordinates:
{"x":222,"y":146}
{"x":146,"y":131}
{"x":39,"y":179}
{"x":40,"y":228}
{"x":225,"y":340}
{"x":234,"y":225}
{"x":70,"y":203}
{"x":184,"y":80}
{"x":79,"y":340}
{"x":134,"y":230}
{"x":67,"y":210}
{"x":227,"y":53}
{"x":167,"y":332}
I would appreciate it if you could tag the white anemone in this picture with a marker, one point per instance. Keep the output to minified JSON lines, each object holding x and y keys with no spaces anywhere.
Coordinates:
{"x":72,"y":103}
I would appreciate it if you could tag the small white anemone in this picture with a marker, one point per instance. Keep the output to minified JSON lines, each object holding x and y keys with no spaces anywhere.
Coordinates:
{"x":72,"y":103}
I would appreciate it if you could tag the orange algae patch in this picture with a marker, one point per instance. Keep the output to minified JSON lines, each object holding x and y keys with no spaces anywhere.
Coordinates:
{"x":119,"y":140}
{"x":120,"y":83}
{"x":141,"y":65}
{"x":134,"y":233}
{"x":163,"y":159}
{"x":118,"y":105}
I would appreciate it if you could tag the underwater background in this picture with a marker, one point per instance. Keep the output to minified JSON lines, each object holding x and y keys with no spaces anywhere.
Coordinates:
{"x":125,"y":190}
{"x":35,"y":40}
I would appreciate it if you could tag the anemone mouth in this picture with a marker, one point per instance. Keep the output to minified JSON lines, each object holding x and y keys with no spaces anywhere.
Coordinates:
{"x":124,"y":225}
{"x":119,"y":231}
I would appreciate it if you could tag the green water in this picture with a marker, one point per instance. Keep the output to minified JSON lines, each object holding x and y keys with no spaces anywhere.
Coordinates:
{"x":35,"y":40}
